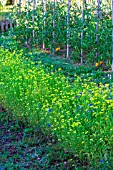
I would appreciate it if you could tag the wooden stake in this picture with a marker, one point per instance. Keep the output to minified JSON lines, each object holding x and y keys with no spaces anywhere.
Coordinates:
{"x":97,"y":26}
{"x":112,"y":35}
{"x":82,"y":33}
{"x":44,"y":12}
{"x":33,"y":18}
{"x":19,"y":9}
{"x":53,"y":34}
{"x":28,"y":2}
{"x":68,"y":27}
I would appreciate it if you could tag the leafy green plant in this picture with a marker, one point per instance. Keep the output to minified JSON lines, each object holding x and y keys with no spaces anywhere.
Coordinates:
{"x":43,"y":29}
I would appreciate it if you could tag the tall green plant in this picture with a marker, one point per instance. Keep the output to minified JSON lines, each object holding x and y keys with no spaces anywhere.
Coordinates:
{"x":55,"y":26}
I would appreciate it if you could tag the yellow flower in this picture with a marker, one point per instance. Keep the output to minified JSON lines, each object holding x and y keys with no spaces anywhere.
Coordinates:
{"x":96,"y":64}
{"x":20,"y":77}
{"x":75,"y":124}
{"x":106,"y":85}
{"x":59,"y":69}
{"x":14,"y":37}
{"x":58,"y":49}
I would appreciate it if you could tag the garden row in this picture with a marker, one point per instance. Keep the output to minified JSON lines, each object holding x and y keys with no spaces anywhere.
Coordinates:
{"x":46,"y":26}
{"x":80,"y":114}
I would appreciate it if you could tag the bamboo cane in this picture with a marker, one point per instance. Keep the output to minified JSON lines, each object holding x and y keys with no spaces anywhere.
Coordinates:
{"x":107,"y":6}
{"x":68,"y":27}
{"x":82,"y":33}
{"x":19,"y":9}
{"x":33,"y":18}
{"x":112,"y":35}
{"x":28,"y":1}
{"x":97,"y":28}
{"x":44,"y":24}
{"x":53,"y":33}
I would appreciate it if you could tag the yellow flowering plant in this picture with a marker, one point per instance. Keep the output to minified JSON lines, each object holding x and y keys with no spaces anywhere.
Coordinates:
{"x":79,"y":114}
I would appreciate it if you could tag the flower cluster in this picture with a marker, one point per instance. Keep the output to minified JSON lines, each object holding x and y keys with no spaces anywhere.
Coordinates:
{"x":97,"y":64}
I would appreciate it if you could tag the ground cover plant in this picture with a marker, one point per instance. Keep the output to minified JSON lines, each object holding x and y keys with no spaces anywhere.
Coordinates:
{"x":79,"y":115}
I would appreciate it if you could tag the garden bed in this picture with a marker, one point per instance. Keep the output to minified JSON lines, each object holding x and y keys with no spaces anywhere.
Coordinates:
{"x":58,"y":113}
{"x":79,"y":110}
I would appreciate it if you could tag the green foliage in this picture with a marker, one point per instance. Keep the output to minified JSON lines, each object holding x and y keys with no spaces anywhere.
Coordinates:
{"x":97,"y":75}
{"x":44,"y":32}
{"x":79,"y":114}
